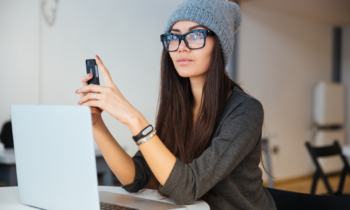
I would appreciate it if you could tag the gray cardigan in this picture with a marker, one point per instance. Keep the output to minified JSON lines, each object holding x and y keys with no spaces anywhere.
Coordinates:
{"x":229,"y":165}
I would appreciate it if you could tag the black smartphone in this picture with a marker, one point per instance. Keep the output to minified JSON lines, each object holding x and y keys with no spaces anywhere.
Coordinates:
{"x":92,"y":68}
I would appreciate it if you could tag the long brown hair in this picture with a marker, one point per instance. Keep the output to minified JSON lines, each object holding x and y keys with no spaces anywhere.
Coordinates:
{"x":174,"y":122}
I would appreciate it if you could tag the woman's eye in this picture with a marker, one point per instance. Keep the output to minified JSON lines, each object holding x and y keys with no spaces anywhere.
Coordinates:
{"x":169,"y":38}
{"x":194,"y":36}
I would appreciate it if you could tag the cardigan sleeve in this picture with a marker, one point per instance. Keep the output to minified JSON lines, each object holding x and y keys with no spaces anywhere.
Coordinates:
{"x":239,"y":134}
{"x":142,"y":174}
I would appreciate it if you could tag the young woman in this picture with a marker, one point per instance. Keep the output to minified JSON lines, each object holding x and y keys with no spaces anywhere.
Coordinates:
{"x":206,"y":142}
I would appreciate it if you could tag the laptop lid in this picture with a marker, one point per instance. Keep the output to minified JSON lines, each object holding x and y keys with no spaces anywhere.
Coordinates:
{"x":55,"y":159}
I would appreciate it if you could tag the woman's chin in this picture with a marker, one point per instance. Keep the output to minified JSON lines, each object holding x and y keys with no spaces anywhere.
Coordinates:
{"x":185,"y":72}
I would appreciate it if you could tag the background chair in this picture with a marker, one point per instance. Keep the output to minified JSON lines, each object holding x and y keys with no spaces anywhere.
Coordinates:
{"x":6,"y":135}
{"x":326,"y":151}
{"x":286,"y":200}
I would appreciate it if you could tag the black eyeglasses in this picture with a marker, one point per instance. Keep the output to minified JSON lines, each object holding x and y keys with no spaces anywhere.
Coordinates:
{"x":193,"y":39}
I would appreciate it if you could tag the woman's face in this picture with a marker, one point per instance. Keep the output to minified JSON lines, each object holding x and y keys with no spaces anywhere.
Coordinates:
{"x":187,"y":62}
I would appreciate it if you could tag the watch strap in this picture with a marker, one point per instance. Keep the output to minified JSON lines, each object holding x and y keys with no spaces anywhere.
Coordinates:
{"x":147,"y":130}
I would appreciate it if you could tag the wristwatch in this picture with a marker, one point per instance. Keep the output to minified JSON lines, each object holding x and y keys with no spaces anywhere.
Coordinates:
{"x":143,"y":133}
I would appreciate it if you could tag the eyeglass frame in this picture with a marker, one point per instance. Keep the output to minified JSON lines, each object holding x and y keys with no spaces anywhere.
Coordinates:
{"x":206,"y":33}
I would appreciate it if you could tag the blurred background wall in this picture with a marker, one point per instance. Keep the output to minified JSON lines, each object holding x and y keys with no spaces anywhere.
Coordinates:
{"x":44,"y":45}
{"x":284,"y":48}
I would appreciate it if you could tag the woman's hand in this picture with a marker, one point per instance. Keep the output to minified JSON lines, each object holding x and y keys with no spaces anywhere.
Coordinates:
{"x":95,"y":112}
{"x":107,"y":98}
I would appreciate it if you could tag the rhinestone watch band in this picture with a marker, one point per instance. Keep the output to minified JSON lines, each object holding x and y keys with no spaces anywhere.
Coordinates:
{"x":146,"y":138}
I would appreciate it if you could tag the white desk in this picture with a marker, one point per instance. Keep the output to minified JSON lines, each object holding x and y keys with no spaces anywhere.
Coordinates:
{"x":9,"y":198}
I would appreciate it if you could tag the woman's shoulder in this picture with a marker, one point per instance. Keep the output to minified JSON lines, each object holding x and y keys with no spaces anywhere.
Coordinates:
{"x":243,"y":114}
{"x":240,"y":100}
{"x":242,"y":108}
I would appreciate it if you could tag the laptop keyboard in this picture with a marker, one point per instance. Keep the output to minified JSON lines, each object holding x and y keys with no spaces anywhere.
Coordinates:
{"x":108,"y":206}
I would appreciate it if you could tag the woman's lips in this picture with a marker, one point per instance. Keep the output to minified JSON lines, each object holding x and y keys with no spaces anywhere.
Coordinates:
{"x":184,"y":61}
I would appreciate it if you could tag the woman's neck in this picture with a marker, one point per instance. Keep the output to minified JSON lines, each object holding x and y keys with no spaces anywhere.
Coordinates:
{"x":197,"y":84}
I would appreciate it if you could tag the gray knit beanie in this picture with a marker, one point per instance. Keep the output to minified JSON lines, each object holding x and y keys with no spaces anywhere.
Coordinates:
{"x":222,"y":17}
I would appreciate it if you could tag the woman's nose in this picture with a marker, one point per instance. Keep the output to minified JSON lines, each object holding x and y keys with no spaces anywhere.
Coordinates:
{"x":182,"y":46}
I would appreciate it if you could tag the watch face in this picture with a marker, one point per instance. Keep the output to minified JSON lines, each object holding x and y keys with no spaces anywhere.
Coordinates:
{"x":147,"y":130}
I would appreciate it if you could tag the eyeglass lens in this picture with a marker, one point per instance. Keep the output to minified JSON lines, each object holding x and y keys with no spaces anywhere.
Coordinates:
{"x":194,"y":40}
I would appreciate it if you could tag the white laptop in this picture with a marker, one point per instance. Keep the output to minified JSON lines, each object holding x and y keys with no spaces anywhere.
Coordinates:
{"x":55,"y":161}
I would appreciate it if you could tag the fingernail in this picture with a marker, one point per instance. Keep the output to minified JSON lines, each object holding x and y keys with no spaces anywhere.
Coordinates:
{"x":79,"y":102}
{"x":76,"y":91}
{"x":98,"y":57}
{"x":90,"y":75}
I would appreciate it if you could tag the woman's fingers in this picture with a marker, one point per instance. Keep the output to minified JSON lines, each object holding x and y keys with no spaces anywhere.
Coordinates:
{"x":82,"y":95}
{"x":87,"y":97}
{"x":84,"y":79}
{"x":92,"y":103}
{"x":90,"y":96}
{"x":105,"y":73}
{"x":91,"y":88}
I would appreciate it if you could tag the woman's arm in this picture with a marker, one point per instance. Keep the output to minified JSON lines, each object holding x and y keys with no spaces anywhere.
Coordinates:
{"x":110,"y":99}
{"x":159,"y":158}
{"x":117,"y":159}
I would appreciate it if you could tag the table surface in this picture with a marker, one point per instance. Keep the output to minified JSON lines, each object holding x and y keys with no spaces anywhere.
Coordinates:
{"x":9,"y":198}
